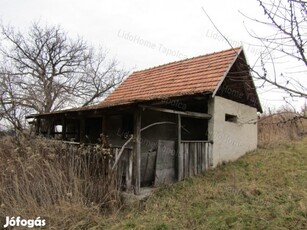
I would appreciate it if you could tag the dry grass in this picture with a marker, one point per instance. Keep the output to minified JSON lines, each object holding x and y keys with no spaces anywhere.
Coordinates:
{"x":265,"y":189}
{"x":41,"y":178}
{"x":280,"y":127}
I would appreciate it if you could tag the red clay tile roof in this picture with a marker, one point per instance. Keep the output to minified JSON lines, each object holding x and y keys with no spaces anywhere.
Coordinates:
{"x":187,"y":77}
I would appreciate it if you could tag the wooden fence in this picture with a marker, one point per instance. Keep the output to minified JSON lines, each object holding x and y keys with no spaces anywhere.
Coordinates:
{"x":124,"y":166}
{"x":196,"y":157}
{"x":101,"y":160}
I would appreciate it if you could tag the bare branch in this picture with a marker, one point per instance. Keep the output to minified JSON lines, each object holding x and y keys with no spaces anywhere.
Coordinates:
{"x":49,"y":71}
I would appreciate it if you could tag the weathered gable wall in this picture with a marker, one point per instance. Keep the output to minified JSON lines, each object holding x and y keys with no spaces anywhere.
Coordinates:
{"x":231,"y":139}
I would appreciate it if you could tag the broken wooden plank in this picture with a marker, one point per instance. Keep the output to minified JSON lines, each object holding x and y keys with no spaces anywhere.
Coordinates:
{"x":165,"y":163}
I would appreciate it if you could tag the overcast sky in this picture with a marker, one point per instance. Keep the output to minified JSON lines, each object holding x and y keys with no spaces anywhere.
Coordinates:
{"x":143,"y":34}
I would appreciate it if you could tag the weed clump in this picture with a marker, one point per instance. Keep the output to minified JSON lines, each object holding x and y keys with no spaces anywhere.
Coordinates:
{"x":40,"y":177}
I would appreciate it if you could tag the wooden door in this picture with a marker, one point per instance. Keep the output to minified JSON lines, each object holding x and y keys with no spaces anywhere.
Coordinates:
{"x":165,"y":163}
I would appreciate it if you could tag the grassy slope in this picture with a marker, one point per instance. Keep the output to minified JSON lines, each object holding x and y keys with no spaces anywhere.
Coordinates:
{"x":266,"y":189}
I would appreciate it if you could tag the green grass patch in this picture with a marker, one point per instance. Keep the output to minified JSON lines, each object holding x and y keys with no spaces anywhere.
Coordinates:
{"x":265,"y":189}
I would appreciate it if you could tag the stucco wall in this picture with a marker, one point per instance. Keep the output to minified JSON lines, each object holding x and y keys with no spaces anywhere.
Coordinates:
{"x":231,"y":139}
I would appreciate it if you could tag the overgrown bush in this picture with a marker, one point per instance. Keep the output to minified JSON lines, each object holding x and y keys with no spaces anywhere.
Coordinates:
{"x":280,"y":127}
{"x":42,"y":177}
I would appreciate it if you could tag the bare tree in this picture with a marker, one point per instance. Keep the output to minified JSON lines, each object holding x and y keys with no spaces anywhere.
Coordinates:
{"x":10,"y":103}
{"x":44,"y":70}
{"x":285,"y":43}
{"x":100,"y":76}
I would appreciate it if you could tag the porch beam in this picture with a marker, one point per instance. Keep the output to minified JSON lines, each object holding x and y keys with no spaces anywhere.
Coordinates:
{"x":183,"y":113}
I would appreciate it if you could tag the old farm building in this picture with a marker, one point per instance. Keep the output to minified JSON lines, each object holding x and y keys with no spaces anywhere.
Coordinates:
{"x":183,"y":118}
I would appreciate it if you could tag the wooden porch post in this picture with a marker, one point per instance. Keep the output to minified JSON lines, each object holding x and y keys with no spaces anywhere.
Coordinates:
{"x":137,"y":152}
{"x":179,"y":150}
{"x":37,"y":126}
{"x":64,"y":122}
{"x":82,"y":130}
{"x":50,"y":128}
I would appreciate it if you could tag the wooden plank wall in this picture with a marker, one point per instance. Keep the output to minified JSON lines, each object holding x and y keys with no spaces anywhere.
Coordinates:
{"x":125,"y":166}
{"x":197,"y":157}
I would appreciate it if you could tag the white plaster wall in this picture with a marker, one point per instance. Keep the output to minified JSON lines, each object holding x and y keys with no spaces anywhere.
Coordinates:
{"x":231,"y":140}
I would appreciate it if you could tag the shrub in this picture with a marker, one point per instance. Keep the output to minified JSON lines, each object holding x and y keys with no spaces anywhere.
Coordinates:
{"x":280,"y":127}
{"x":38,"y":175}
